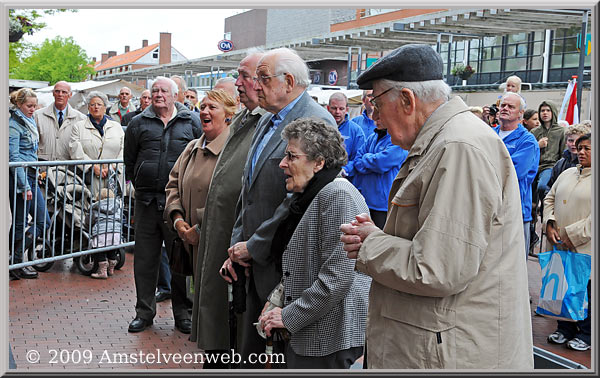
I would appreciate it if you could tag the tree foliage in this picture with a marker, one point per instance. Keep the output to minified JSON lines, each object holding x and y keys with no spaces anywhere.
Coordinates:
{"x":55,"y":60}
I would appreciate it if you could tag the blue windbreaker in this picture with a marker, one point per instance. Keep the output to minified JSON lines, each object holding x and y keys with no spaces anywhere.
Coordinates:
{"x":376,"y":167}
{"x":354,"y":138}
{"x":525,"y":154}
{"x":366,"y":124}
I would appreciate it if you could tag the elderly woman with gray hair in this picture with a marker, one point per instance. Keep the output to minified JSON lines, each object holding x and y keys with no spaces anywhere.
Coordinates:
{"x":94,"y":138}
{"x":324,"y":300}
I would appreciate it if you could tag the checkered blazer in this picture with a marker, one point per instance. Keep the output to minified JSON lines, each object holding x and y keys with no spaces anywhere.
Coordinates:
{"x":325,"y":299}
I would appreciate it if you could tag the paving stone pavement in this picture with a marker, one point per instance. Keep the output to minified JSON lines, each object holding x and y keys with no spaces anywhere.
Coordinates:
{"x":84,"y":321}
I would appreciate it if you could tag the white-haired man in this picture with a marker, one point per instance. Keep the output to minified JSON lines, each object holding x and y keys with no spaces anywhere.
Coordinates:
{"x":281,"y":81}
{"x":123,"y":106}
{"x":153,"y":142}
{"x":228,"y":84}
{"x":524,"y":152}
{"x":210,"y":326}
{"x":449,"y":286}
{"x":55,"y":122}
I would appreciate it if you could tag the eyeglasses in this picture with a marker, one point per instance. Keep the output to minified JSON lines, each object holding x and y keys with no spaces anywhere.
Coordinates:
{"x":372,"y":100}
{"x":291,"y":157}
{"x":263,"y":78}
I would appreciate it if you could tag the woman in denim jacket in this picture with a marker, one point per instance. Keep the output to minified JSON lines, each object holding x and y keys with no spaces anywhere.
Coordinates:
{"x":28,"y":199}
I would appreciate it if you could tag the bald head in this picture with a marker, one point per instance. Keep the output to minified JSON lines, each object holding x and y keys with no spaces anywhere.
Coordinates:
{"x":62,"y":93}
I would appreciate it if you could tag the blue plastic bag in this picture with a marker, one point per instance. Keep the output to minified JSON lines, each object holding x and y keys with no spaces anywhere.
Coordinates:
{"x":565,"y":276}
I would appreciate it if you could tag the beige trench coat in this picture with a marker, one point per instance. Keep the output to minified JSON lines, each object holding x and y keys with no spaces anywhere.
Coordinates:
{"x":449,"y":286}
{"x":54,"y":140}
{"x":189,"y":181}
{"x":569,"y":204}
{"x":86,"y":143}
{"x":113,"y":111}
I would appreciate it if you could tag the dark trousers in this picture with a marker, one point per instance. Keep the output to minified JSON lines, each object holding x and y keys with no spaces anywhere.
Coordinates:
{"x":342,"y":359}
{"x":378,"y":217}
{"x":150,"y":232}
{"x":251,"y":341}
{"x":581,"y":329}
{"x":164,"y":273}
{"x":20,"y":209}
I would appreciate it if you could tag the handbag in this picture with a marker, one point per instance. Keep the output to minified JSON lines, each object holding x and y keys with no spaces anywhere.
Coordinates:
{"x":565,"y":276}
{"x":180,"y":260}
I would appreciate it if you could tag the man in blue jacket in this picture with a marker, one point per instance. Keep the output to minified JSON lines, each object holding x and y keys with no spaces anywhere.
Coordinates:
{"x":523,"y":149}
{"x":376,"y":165}
{"x":365,"y":120}
{"x":353,"y":135}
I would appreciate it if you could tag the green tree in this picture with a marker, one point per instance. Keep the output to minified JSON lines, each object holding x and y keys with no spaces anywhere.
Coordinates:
{"x":55,"y":60}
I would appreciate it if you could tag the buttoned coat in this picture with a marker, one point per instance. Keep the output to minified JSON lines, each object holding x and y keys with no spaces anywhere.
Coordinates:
{"x":86,"y":143}
{"x":325,"y":299}
{"x":54,"y":140}
{"x":262,"y":193}
{"x":449,"y":286}
{"x":210,"y":326}
{"x":188,"y":184}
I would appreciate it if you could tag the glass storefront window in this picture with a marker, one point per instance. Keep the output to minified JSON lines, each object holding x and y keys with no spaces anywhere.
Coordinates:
{"x":490,"y":66}
{"x":520,"y":37}
{"x":571,"y":60}
{"x":516,"y":64}
{"x":556,"y":61}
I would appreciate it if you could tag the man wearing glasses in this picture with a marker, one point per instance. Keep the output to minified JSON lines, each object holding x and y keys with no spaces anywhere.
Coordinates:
{"x":281,"y":81}
{"x":449,"y":286}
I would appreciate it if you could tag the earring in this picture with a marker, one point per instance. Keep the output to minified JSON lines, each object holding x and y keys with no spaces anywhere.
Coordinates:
{"x":227,"y":119}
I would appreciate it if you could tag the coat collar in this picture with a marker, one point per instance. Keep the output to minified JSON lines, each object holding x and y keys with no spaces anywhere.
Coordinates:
{"x":216,"y":146}
{"x":49,"y":111}
{"x":433,"y":125}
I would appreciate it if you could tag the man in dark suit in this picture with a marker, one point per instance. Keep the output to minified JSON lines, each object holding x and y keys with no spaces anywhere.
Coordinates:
{"x":281,"y":81}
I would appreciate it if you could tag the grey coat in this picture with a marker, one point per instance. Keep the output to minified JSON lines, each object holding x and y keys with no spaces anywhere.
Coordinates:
{"x":325,"y":299}
{"x":263,"y":193}
{"x":210,"y":327}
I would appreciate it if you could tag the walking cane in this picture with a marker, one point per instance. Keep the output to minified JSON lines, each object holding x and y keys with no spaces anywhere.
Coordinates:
{"x":269,"y":352}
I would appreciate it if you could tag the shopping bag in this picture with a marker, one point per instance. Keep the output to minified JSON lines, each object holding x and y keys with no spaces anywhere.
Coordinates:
{"x":565,"y":276}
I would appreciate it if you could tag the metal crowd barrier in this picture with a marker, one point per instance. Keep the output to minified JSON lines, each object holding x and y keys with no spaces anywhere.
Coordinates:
{"x":70,"y":190}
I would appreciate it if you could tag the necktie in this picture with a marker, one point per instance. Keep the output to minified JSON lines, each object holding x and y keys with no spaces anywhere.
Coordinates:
{"x":60,"y":118}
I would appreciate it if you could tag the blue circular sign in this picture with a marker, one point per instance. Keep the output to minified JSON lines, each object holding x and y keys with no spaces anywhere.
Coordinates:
{"x":225,"y":45}
{"x":332,"y":78}
{"x":316,"y":77}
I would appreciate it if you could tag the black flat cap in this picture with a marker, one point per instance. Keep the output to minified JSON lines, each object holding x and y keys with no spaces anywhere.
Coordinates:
{"x":413,"y":62}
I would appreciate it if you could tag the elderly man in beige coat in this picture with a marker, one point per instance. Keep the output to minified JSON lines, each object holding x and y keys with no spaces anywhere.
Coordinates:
{"x":55,"y":122}
{"x":449,"y":286}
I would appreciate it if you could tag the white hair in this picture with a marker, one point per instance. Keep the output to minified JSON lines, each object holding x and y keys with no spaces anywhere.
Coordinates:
{"x":521,"y":99}
{"x":288,"y":61}
{"x":174,"y":87}
{"x":428,"y":91}
{"x":129,"y":90}
{"x":181,"y":82}
{"x":224,"y":80}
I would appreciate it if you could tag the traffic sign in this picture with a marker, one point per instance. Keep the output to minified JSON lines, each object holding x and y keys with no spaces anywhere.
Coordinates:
{"x":333,"y":77}
{"x":225,"y":45}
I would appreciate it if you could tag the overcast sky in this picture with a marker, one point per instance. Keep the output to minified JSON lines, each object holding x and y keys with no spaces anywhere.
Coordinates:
{"x":194,"y":32}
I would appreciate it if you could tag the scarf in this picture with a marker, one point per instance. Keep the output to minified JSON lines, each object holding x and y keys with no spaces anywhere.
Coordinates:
{"x":98,"y":126}
{"x":30,"y":125}
{"x":298,"y":206}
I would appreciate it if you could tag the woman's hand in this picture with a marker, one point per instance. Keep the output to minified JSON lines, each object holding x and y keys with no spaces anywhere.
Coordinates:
{"x":271,"y":320}
{"x":28,"y":195}
{"x":568,"y":243}
{"x":552,"y":233}
{"x":191,"y":236}
{"x":97,"y":170}
{"x":181,"y":227}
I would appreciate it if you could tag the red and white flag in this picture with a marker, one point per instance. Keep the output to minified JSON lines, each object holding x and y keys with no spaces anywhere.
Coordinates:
{"x":570,"y":103}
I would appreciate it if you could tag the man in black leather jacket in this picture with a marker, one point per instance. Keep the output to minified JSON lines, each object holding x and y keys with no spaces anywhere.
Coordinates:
{"x":153,"y":142}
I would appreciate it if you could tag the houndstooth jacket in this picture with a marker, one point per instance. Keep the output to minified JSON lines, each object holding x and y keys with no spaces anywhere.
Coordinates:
{"x":325,"y":299}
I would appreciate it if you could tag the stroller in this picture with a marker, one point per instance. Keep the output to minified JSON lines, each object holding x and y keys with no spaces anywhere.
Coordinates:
{"x":69,"y":203}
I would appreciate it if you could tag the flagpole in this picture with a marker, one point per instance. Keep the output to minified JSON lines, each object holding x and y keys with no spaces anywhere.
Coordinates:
{"x":582,"y":51}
